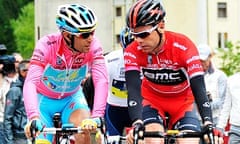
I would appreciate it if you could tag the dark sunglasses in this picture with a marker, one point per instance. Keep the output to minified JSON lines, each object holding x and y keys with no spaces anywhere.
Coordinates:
{"x":86,"y":35}
{"x":143,"y":34}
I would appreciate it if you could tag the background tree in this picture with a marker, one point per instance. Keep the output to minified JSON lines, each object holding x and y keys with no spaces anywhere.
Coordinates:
{"x":23,"y":30}
{"x":9,"y":9}
{"x":230,"y":58}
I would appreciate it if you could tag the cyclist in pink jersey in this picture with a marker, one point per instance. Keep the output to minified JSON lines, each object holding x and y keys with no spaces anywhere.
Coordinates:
{"x":172,"y":76}
{"x":59,"y":63}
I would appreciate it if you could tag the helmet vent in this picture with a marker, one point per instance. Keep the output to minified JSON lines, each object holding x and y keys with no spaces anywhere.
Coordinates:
{"x":75,"y":20}
{"x":83,"y":19}
{"x":69,"y":24}
{"x":63,"y":12}
{"x":71,"y":9}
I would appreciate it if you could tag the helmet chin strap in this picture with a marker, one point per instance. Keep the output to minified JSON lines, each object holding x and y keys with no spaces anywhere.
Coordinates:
{"x":71,"y":43}
{"x":160,"y":40}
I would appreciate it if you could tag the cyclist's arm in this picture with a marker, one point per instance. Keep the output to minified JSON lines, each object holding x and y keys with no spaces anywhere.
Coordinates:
{"x":199,"y":93}
{"x":30,"y":91}
{"x":133,"y":82}
{"x":100,"y":81}
{"x":32,"y":80}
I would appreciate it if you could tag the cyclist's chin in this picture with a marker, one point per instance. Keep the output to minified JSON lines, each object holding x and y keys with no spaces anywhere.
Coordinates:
{"x":147,"y":49}
{"x":85,"y":49}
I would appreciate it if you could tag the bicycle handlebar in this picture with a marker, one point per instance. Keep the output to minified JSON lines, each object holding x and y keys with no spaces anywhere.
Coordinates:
{"x":208,"y":130}
{"x":67,"y":130}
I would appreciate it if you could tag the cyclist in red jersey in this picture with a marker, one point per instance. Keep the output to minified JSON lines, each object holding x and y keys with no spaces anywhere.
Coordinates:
{"x":173,"y":75}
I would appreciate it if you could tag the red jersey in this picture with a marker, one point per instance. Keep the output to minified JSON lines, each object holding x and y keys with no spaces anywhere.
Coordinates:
{"x":167,"y":74}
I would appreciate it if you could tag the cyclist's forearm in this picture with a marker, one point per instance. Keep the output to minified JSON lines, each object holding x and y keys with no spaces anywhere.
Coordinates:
{"x":199,"y":92}
{"x":134,"y":94}
{"x":100,"y":81}
{"x":30,"y":90}
{"x":30,"y":100}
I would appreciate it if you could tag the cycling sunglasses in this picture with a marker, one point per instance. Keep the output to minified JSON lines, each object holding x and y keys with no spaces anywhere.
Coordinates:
{"x":144,"y":34}
{"x":86,"y":35}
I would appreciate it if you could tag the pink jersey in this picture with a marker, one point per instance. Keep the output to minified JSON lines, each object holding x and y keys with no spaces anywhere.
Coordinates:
{"x":57,"y":73}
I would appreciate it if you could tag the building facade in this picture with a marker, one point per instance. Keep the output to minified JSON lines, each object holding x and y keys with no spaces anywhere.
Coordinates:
{"x":203,"y":21}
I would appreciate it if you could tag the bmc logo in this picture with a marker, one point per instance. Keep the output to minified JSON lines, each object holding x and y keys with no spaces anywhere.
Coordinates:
{"x":165,"y":76}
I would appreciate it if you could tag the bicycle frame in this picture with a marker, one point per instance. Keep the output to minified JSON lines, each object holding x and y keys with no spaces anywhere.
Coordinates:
{"x":64,"y":132}
{"x":116,"y":139}
{"x":59,"y":131}
{"x":228,"y":133}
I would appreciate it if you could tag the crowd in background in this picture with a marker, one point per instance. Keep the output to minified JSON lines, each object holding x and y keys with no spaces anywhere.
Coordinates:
{"x":12,"y":112}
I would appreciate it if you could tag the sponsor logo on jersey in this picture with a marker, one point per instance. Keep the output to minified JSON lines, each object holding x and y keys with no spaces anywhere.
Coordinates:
{"x":165,"y":76}
{"x":129,"y":55}
{"x":51,"y":42}
{"x":193,"y":58}
{"x":132,"y":103}
{"x":177,"y":45}
{"x":194,"y":66}
{"x":112,"y":60}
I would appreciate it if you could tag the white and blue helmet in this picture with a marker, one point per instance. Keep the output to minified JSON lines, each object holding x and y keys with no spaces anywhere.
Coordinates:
{"x":76,"y":19}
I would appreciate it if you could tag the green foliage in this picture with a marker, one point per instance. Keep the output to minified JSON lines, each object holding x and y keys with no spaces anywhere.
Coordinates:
{"x":230,"y":58}
{"x":9,"y":9}
{"x":23,"y":28}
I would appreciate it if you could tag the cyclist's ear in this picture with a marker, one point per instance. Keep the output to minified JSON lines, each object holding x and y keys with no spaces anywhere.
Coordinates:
{"x":66,"y":35}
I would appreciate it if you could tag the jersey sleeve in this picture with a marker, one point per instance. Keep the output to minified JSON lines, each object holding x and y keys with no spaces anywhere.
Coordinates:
{"x":130,"y":57}
{"x":33,"y":78}
{"x":192,"y":60}
{"x":100,"y":80}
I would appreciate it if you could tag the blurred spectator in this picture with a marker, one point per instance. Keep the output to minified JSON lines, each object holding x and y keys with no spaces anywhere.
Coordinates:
{"x":231,"y":109}
{"x":15,"y":116}
{"x":215,"y":81}
{"x":18,"y":58}
{"x":4,"y":87}
{"x":7,"y":74}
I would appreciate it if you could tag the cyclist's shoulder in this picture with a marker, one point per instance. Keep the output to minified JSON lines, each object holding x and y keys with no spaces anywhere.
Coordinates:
{"x":114,"y":54}
{"x":52,"y":37}
{"x":49,"y":42}
{"x":172,"y":34}
{"x":96,"y":44}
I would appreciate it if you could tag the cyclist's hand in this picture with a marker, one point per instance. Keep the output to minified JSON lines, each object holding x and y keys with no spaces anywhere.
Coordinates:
{"x":98,"y":137}
{"x":213,"y":135}
{"x":33,"y":128}
{"x":89,"y":125}
{"x":218,"y":136}
{"x":136,"y":133}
